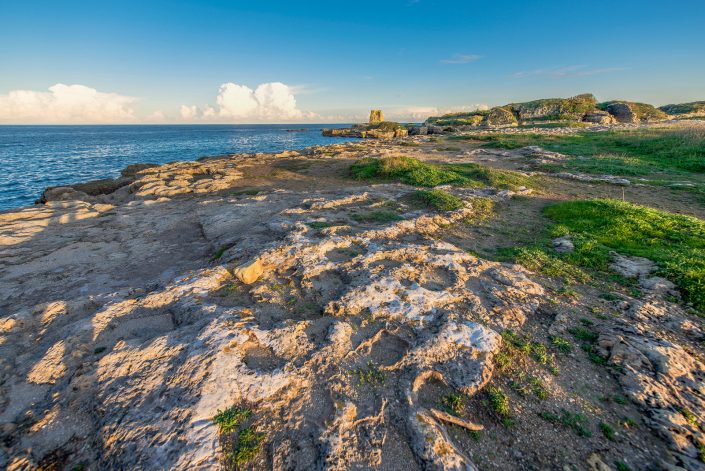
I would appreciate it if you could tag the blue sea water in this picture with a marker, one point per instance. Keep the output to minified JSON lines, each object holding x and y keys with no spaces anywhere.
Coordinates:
{"x":35,"y":157}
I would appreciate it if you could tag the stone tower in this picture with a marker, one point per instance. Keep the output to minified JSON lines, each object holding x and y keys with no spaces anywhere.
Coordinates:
{"x":376,"y":116}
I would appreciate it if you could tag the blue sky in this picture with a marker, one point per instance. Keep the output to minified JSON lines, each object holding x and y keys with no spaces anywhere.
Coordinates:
{"x":149,"y":59}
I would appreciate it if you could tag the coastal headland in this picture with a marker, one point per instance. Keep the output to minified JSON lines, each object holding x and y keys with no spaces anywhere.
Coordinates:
{"x":516,"y":288}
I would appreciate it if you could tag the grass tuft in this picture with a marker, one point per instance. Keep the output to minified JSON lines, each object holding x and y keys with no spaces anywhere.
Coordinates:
{"x":439,"y":200}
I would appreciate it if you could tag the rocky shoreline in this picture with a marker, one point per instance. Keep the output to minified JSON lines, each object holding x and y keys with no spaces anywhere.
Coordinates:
{"x":338,"y":313}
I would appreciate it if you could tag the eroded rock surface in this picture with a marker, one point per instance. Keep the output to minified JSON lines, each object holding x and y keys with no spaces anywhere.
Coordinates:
{"x":122,"y":335}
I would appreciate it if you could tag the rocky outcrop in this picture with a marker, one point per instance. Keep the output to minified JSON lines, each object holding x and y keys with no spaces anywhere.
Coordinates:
{"x":500,"y":117}
{"x":555,"y":108}
{"x":692,"y":109}
{"x":119,"y":331}
{"x":631,"y":112}
{"x":373,"y":130}
{"x":599,"y":117}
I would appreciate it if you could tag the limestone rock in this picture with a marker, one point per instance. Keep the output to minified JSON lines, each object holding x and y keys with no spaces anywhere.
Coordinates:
{"x":418,"y":130}
{"x":599,"y":117}
{"x":249,"y":272}
{"x":622,"y":113}
{"x":563,"y":244}
{"x":499,"y":117}
{"x":631,"y":267}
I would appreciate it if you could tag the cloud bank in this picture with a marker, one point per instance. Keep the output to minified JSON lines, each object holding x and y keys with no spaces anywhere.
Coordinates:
{"x":269,"y":102}
{"x":75,"y":104}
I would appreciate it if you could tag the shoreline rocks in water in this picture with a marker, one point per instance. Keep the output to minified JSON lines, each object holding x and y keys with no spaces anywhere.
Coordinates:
{"x":376,"y":128}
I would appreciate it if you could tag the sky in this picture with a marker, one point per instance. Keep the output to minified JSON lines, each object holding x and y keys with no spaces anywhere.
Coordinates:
{"x":289,"y":61}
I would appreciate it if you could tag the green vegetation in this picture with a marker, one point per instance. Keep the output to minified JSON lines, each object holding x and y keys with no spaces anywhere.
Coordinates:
{"x":482,"y":209}
{"x":691,"y":418}
{"x":555,"y":108}
{"x":219,"y":253}
{"x":583,"y":334}
{"x":556,"y":124}
{"x":622,"y":466}
{"x":607,"y":431}
{"x":438,"y":199}
{"x":453,"y":403}
{"x":377,"y":216}
{"x":368,"y":375}
{"x":231,"y":418}
{"x":684,"y":108}
{"x":643,"y":111}
{"x":561,"y":344}
{"x":246,"y":444}
{"x":540,"y":261}
{"x":417,"y":173}
{"x":498,"y":402}
{"x":532,"y":385}
{"x":675,"y":242}
{"x":575,"y":421}
{"x":99,"y":350}
{"x":318,"y":225}
{"x":473,"y":118}
{"x":634,"y":152}
{"x":249,"y":444}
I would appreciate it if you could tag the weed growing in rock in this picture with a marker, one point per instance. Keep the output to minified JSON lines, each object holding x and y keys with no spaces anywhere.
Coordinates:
{"x":561,"y":344}
{"x":574,"y":421}
{"x":249,"y":444}
{"x":607,"y":431}
{"x":622,"y":466}
{"x":231,"y":418}
{"x":369,"y":375}
{"x":453,"y":403}
{"x":498,"y":402}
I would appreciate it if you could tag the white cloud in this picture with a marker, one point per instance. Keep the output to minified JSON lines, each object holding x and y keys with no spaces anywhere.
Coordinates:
{"x":461,"y":59}
{"x":65,"y":104}
{"x":420,"y":113}
{"x":269,"y":102}
{"x":566,"y":71}
{"x":189,"y":112}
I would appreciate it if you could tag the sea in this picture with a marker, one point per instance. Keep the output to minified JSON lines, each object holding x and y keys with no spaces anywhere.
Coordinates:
{"x":35,"y":157}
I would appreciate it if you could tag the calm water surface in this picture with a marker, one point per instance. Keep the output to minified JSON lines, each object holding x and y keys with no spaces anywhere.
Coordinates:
{"x":35,"y":157}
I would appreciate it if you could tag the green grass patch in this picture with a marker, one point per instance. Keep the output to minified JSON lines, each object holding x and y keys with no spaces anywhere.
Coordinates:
{"x":417,"y":173}
{"x":675,"y":242}
{"x":540,"y":261}
{"x":437,"y":199}
{"x":377,"y":216}
{"x":634,"y":152}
